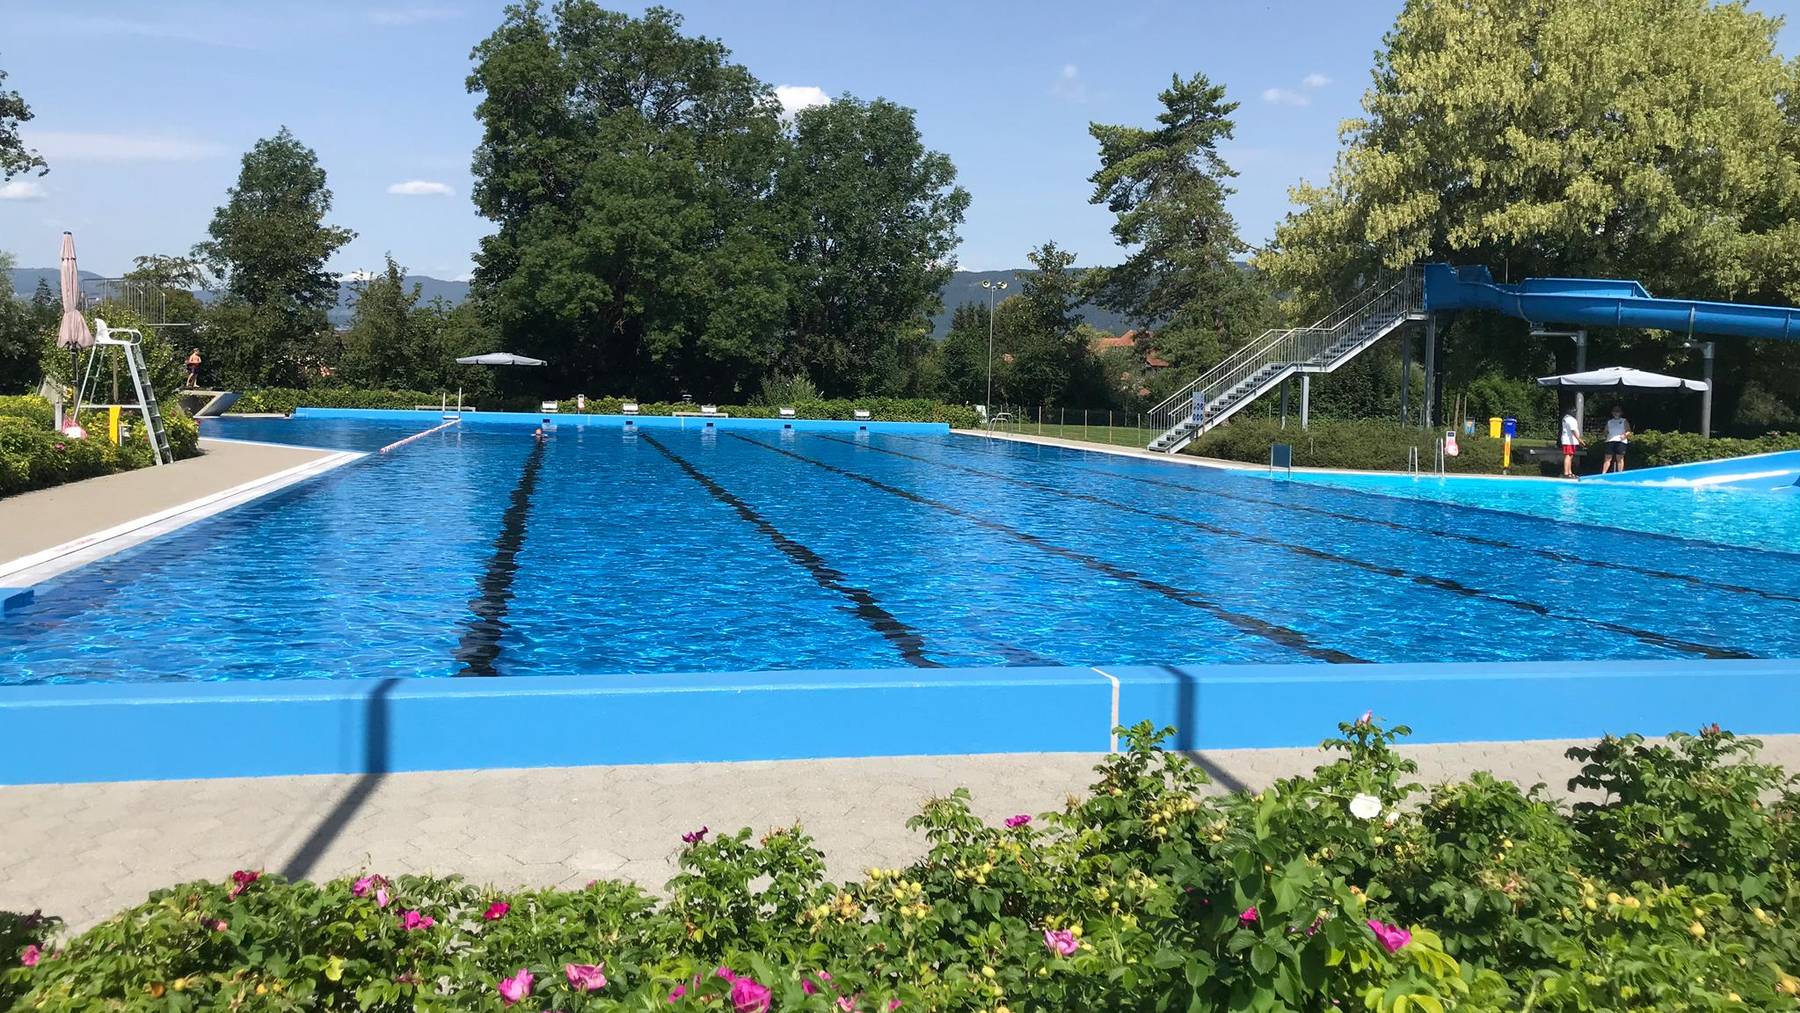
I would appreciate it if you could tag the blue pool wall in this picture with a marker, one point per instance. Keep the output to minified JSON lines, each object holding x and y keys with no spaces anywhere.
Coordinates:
{"x":435,"y":416}
{"x":1777,"y":470}
{"x":153,"y":731}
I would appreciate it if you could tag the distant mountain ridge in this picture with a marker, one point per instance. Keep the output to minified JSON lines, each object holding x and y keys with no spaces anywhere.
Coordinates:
{"x":963,"y":287}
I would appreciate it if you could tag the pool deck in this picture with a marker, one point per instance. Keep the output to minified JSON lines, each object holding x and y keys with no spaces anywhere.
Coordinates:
{"x":49,"y":530}
{"x":84,"y":851}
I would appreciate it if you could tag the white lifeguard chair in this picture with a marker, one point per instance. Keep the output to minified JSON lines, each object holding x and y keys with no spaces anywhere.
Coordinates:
{"x":126,"y":341}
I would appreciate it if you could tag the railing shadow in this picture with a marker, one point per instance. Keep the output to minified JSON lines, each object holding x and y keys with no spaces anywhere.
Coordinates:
{"x":1187,"y":716}
{"x":376,"y":736}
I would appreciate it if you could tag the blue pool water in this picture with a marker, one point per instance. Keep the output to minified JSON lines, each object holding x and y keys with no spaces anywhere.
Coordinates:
{"x":1754,"y":518}
{"x":476,"y":551}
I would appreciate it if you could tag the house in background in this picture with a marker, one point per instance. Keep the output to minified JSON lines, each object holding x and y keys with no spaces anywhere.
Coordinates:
{"x":1130,"y":358}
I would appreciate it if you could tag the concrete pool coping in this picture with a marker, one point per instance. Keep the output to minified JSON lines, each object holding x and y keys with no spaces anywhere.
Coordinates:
{"x":1194,"y":460}
{"x":696,"y":421}
{"x":51,"y":531}
{"x":159,"y":731}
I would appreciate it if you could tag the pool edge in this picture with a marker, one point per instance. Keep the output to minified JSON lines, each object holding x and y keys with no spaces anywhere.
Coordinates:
{"x":169,"y":731}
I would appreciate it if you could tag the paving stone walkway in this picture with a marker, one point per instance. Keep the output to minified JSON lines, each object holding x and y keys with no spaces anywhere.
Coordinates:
{"x":84,"y":851}
{"x":34,"y":521}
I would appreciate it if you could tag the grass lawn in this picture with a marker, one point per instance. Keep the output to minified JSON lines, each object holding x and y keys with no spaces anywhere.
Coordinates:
{"x":1121,"y":436}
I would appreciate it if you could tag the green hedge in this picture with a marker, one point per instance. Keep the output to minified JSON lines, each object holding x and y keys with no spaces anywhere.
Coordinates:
{"x":284,"y":400}
{"x":1363,"y":446}
{"x":35,"y":456}
{"x":1671,"y":886}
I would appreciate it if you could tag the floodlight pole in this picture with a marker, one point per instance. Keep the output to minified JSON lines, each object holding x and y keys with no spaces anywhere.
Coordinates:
{"x":1706,"y":352}
{"x":987,"y":407}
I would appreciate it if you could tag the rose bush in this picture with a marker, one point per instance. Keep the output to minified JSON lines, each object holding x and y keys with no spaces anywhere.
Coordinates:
{"x":1668,"y":886}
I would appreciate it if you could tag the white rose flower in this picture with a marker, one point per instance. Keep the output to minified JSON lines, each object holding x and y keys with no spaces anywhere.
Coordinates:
{"x":1365,"y":807}
{"x":1392,"y":817}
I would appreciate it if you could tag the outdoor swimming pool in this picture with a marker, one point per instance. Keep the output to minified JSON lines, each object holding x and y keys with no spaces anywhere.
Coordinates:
{"x":476,"y":551}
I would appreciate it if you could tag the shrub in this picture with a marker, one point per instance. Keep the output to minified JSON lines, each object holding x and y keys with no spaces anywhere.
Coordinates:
{"x":34,"y":456}
{"x":1338,"y":890}
{"x":284,"y":400}
{"x":1364,"y":446}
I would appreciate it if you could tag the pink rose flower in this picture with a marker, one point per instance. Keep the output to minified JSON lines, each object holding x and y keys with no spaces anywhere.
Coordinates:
{"x":1014,"y":822}
{"x":1368,"y":718}
{"x":1391,"y":936}
{"x":1249,"y":915}
{"x":412,"y":921}
{"x":847,"y":1003}
{"x":496,"y":911}
{"x":748,"y":996}
{"x":1061,"y":942}
{"x":220,"y":925}
{"x":241,"y":880}
{"x":677,"y":992}
{"x":381,"y":896}
{"x":516,"y":987}
{"x":360,"y":888}
{"x":585,"y":977}
{"x":30,"y":956}
{"x":694,"y":837}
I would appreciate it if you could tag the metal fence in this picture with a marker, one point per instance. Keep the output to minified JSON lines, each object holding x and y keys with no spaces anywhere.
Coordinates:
{"x":1096,"y":425}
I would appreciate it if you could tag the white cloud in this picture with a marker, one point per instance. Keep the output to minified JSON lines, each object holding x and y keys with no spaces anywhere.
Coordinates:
{"x":420,"y":188}
{"x":795,"y":97}
{"x":102,"y":147}
{"x":355,"y":276}
{"x":23,"y":189}
{"x":415,"y":15}
{"x":1069,"y":85}
{"x":1315,"y":80}
{"x":1285,"y":97}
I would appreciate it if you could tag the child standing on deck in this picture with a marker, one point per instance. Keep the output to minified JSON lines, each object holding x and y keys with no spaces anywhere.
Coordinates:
{"x":1571,"y":440}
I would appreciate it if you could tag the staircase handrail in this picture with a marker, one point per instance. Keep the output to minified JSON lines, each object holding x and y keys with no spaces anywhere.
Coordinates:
{"x":1292,"y":345}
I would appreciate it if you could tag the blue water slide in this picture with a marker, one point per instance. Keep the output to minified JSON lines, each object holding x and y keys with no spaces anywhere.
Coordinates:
{"x":1602,"y":302}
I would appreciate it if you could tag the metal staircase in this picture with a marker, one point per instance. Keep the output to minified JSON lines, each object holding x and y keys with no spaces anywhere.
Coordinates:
{"x":1260,"y":366}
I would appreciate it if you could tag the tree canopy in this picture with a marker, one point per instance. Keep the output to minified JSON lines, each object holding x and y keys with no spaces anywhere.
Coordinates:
{"x":1608,"y":138}
{"x":269,"y":245}
{"x":661,"y":229}
{"x":15,"y":158}
{"x":1166,"y":186}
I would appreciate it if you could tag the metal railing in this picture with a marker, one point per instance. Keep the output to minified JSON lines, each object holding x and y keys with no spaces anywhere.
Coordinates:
{"x":1257,"y":365}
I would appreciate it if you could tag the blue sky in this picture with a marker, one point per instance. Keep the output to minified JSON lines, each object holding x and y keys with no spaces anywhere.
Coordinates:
{"x":144,"y":132}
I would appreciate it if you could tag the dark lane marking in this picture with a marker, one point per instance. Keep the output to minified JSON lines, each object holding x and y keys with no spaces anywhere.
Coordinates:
{"x":1422,"y":579}
{"x":1249,"y":624}
{"x":479,"y":647}
{"x":902,"y":636}
{"x":1493,"y":543}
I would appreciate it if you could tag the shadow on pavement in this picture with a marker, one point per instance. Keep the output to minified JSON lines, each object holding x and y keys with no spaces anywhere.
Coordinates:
{"x":375,"y":769}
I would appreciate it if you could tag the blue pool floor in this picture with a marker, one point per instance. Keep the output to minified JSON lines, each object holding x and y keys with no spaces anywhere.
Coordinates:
{"x":478,"y":552}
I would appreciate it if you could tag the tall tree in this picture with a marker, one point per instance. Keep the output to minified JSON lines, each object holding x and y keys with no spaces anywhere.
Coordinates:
{"x":874,"y":214}
{"x":1166,"y":187}
{"x":1611,"y":138}
{"x":15,"y":158}
{"x":624,"y":165}
{"x":386,"y":346}
{"x":269,"y":245}
{"x":1053,"y":363}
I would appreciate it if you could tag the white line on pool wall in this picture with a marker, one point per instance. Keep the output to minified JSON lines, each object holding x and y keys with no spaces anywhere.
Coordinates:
{"x":42,"y":565}
{"x":1112,"y":735}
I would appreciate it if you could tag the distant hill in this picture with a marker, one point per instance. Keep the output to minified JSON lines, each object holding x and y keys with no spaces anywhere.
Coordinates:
{"x":964,"y":286}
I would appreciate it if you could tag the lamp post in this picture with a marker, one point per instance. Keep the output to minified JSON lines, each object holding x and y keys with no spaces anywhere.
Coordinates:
{"x":987,"y":408}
